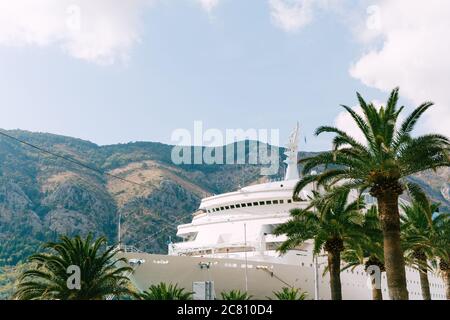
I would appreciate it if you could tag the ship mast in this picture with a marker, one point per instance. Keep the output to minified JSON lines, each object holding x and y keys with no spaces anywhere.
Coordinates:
{"x":291,"y":154}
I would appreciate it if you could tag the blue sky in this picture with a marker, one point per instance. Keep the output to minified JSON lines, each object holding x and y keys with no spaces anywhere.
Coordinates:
{"x":231,"y":67}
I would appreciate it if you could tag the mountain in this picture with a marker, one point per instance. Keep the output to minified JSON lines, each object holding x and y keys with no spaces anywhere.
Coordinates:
{"x":42,"y":196}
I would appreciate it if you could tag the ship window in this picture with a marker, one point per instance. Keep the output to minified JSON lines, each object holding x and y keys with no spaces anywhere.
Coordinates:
{"x":238,"y":205}
{"x":255,"y":203}
{"x":268,"y":202}
{"x":232,"y":206}
{"x":249,"y":204}
{"x":243,"y":205}
{"x":221,"y":208}
{"x":261,"y":203}
{"x":214,"y":209}
{"x":275,"y":201}
{"x":227,"y":207}
{"x":289,"y":201}
{"x":281,"y":201}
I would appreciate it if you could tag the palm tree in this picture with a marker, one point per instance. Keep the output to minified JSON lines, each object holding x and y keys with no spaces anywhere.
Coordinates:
{"x":235,"y":295}
{"x":100,"y":276}
{"x":417,"y":228}
{"x":380,"y":164}
{"x":441,"y":247}
{"x":368,"y":250}
{"x":290,"y":294}
{"x":163,"y":291}
{"x":331,"y":225}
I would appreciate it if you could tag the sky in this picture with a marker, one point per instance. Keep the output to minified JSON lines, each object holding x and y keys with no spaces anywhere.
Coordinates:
{"x":114,"y":71}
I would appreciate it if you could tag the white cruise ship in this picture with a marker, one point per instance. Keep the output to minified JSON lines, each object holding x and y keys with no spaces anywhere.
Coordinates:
{"x":229,"y":245}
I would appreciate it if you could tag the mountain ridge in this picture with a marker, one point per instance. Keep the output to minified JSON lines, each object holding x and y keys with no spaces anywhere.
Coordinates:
{"x":42,"y":196}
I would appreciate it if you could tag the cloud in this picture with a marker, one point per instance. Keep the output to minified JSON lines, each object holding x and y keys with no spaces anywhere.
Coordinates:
{"x":291,"y":15}
{"x":100,"y":31}
{"x":414,"y":54}
{"x":208,"y":5}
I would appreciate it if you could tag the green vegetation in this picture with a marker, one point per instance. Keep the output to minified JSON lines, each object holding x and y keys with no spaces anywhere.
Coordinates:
{"x":163,"y":291}
{"x":8,"y":280}
{"x":331,"y":224}
{"x":98,"y":276}
{"x":417,"y":235}
{"x":441,"y":248}
{"x":290,"y":294}
{"x":235,"y":295}
{"x":381,"y":165}
{"x":367,"y":250}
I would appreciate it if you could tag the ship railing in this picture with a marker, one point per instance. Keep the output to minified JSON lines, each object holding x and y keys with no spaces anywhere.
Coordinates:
{"x":213,"y":249}
{"x":130,"y":249}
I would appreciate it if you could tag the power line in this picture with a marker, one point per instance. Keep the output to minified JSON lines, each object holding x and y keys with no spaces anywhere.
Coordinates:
{"x":155,"y":235}
{"x":69,"y":159}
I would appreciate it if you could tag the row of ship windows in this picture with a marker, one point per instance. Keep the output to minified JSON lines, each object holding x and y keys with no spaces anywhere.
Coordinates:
{"x":249,"y":204}
{"x":434,"y":285}
{"x":433,"y":295}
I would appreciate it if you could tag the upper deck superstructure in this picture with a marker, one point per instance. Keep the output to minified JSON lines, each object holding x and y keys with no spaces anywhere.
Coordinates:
{"x":243,"y":220}
{"x":218,"y":226}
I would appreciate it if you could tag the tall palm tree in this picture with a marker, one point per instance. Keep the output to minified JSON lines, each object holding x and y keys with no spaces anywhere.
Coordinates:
{"x":417,"y":227}
{"x":164,"y":291}
{"x":379,"y":164}
{"x":368,"y":250}
{"x":100,"y":275}
{"x":330,"y":225}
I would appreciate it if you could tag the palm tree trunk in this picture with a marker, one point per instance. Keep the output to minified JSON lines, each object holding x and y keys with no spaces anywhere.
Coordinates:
{"x":425,"y":285}
{"x":423,"y":273}
{"x":334,"y":265}
{"x":393,"y":253}
{"x":376,"y":294}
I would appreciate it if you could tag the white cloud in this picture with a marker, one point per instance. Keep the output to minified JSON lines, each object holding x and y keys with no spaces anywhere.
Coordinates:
{"x":208,"y":5}
{"x":291,"y":15}
{"x":414,"y":54}
{"x":101,"y":31}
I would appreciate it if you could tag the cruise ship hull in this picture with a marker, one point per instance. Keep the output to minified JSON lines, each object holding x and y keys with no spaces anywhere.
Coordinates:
{"x":260,"y":278}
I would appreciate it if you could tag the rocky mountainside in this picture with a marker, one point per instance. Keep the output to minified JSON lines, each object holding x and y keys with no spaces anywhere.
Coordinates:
{"x":42,"y":196}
